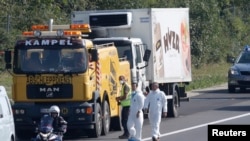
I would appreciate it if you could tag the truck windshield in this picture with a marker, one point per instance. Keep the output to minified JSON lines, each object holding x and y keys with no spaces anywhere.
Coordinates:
{"x":46,"y":60}
{"x":123,"y":48}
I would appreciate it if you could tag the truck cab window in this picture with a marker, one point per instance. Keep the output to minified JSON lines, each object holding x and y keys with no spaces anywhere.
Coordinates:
{"x":127,"y":54}
{"x":52,"y":59}
{"x":34,"y":61}
{"x":80,"y":61}
{"x":29,"y":60}
{"x":138,"y":54}
{"x":74,"y":60}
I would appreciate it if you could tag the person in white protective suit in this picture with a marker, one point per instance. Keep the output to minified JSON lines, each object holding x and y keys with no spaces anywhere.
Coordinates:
{"x":135,"y":118}
{"x":156,"y":101}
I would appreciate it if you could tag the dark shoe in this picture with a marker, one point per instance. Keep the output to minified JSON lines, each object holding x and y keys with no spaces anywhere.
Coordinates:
{"x":155,"y":139}
{"x":124,"y":136}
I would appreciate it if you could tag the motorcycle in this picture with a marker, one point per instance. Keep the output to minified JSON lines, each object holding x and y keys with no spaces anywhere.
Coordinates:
{"x":45,"y":130}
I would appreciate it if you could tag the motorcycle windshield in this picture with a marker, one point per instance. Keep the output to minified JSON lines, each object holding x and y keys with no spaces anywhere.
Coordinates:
{"x":46,"y":124}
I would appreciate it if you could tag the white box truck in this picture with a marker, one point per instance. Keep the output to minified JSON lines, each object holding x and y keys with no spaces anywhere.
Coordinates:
{"x":164,"y":32}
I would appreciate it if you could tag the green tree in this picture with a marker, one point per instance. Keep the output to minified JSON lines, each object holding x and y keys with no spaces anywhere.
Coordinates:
{"x":218,"y":28}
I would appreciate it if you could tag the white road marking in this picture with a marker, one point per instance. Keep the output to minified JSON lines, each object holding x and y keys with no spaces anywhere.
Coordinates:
{"x":198,"y":126}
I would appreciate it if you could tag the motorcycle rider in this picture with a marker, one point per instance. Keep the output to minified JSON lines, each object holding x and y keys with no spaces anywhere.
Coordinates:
{"x":59,"y":124}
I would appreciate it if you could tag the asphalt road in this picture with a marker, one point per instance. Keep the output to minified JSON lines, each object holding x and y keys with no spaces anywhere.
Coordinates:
{"x":211,"y":106}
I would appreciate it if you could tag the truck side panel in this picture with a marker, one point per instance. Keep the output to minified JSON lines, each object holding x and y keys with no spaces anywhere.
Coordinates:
{"x":171,"y":46}
{"x":108,"y":76}
{"x":166,"y":33}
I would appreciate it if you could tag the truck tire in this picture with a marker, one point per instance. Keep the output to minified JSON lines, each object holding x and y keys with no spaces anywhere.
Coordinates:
{"x":96,"y":132}
{"x":115,"y":124}
{"x":173,"y":105}
{"x":106,"y":118}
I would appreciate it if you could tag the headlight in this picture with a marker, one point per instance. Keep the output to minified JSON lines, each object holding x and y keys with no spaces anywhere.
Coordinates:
{"x":37,"y":33}
{"x":22,"y":111}
{"x":59,"y":33}
{"x":80,"y":110}
{"x":19,"y":111}
{"x":234,"y":72}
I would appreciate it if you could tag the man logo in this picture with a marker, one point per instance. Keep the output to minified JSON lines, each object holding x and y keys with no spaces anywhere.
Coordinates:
{"x":50,"y":91}
{"x":49,"y":94}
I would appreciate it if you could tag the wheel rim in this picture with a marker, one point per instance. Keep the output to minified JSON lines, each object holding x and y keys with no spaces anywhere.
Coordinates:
{"x":107,"y":117}
{"x":175,"y":104}
{"x":99,"y":123}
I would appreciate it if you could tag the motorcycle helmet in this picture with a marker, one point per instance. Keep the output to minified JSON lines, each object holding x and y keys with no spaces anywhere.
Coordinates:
{"x":54,"y":110}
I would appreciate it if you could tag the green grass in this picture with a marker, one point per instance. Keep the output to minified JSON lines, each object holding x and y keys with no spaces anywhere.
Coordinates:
{"x":206,"y":76}
{"x":6,"y":81}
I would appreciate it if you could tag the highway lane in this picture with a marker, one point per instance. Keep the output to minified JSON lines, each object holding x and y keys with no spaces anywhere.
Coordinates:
{"x":205,"y":107}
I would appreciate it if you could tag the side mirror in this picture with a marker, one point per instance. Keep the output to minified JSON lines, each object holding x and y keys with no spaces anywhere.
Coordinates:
{"x":7,"y":59}
{"x":145,"y":58}
{"x":7,"y":56}
{"x":94,"y":54}
{"x":230,"y":59}
{"x":147,"y":55}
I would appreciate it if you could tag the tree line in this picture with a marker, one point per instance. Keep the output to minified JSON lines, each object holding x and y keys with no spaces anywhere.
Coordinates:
{"x":218,"y":28}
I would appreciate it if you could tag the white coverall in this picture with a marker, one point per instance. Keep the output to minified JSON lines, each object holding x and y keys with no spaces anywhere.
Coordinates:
{"x":156,"y":100}
{"x":134,"y":124}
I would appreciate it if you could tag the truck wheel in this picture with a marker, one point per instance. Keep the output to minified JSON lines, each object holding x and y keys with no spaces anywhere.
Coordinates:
{"x":173,"y":105}
{"x":96,"y":132}
{"x":106,"y":119}
{"x":115,"y":124}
